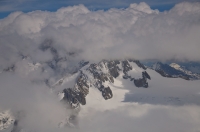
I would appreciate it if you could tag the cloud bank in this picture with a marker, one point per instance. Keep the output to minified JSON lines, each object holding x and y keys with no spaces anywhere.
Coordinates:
{"x":37,"y":109}
{"x":143,"y":118}
{"x":135,"y":32}
{"x":76,"y":33}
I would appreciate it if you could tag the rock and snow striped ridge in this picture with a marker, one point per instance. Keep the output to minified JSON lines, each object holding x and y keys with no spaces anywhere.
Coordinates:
{"x":6,"y":121}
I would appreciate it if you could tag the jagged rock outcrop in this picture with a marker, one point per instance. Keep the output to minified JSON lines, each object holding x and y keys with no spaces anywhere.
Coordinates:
{"x":139,"y":64}
{"x":76,"y":96}
{"x":82,"y":84}
{"x":162,"y":73}
{"x":126,"y":67}
{"x":113,"y":68}
{"x":107,"y":93}
{"x":70,"y":97}
{"x":98,"y":76}
{"x":141,"y":82}
{"x":83,"y":63}
{"x":6,"y":120}
{"x":185,"y":77}
{"x":146,"y":75}
{"x":101,"y":72}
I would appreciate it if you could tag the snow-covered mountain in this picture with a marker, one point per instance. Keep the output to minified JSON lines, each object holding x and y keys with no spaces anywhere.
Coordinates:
{"x":110,"y":83}
{"x":190,"y":66}
{"x":174,"y":70}
{"x":81,"y":70}
{"x":194,"y":75}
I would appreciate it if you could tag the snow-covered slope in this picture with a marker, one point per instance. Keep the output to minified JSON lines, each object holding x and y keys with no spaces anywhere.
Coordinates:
{"x":109,"y":85}
{"x":161,"y":90}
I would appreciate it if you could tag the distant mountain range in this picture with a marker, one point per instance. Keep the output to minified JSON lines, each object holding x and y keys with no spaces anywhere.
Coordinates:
{"x":187,"y":70}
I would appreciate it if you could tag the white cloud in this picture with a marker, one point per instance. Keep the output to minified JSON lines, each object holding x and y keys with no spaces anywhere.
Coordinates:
{"x":135,"y":32}
{"x":133,"y":118}
{"x":33,"y":105}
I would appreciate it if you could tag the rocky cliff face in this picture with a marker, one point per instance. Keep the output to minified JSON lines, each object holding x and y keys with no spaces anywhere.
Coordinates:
{"x":142,"y":82}
{"x":97,"y":75}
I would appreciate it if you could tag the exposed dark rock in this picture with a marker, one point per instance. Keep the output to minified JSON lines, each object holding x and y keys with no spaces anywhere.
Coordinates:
{"x":99,"y":75}
{"x":77,"y":95}
{"x":71,"y":98}
{"x":185,"y":77}
{"x":111,"y":79}
{"x":82,"y":85}
{"x":141,"y":82}
{"x":83,"y":63}
{"x":113,"y":68}
{"x":107,"y":93}
{"x":146,"y":75}
{"x":4,"y":120}
{"x":126,"y":76}
{"x":117,"y":62}
{"x":162,"y":73}
{"x":139,"y":64}
{"x":81,"y":98}
{"x":126,"y":67}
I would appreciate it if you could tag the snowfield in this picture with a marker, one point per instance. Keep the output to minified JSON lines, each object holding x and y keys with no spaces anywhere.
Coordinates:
{"x":168,"y":104}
